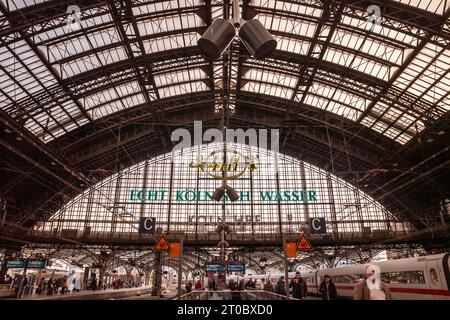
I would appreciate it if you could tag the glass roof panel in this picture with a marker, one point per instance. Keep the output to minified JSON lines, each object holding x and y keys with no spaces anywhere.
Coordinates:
{"x":186,"y":75}
{"x":184,"y":88}
{"x":82,"y":43}
{"x":427,"y":76}
{"x":268,"y":89}
{"x":378,"y":53}
{"x":19,"y":4}
{"x":111,"y":107}
{"x":161,"y":6}
{"x":98,"y":197}
{"x":62,"y":30}
{"x":435,"y":6}
{"x":292,"y":45}
{"x":171,"y":42}
{"x":271,"y":77}
{"x":114,"y":93}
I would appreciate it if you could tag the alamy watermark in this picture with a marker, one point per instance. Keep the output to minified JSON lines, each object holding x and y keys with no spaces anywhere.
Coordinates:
{"x":237,"y":160}
{"x":73,"y":18}
{"x":374,"y":18}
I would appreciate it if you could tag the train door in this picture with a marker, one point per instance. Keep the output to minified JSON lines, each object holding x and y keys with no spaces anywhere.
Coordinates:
{"x":446,"y":272}
{"x":435,"y":278}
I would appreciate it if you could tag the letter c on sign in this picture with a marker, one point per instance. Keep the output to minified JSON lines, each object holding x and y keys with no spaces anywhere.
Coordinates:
{"x":314,"y":224}
{"x":146,"y":227}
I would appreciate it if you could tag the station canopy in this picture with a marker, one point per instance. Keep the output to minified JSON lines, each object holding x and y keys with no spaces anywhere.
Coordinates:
{"x":392,"y":78}
{"x":102,"y":94}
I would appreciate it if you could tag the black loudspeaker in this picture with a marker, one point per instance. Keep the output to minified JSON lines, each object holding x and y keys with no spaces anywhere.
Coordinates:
{"x":232,"y":194}
{"x":257,"y":39}
{"x":216,"y":38}
{"x":218,"y":194}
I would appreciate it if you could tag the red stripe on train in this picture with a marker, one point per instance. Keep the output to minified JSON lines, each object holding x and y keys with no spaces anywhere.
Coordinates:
{"x":433,"y":292}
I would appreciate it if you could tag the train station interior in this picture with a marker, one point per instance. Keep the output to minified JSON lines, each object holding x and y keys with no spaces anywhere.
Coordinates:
{"x":225,"y":150}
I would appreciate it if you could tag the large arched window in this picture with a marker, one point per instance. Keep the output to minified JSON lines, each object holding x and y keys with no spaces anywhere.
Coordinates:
{"x":276,"y":191}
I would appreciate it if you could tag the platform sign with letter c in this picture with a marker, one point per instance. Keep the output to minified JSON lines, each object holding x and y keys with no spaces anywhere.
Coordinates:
{"x":147,"y":225}
{"x":318,"y":225}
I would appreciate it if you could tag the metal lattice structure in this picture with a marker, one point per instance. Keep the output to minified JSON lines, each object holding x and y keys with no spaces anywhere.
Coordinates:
{"x":178,"y":196}
{"x":368,"y":103}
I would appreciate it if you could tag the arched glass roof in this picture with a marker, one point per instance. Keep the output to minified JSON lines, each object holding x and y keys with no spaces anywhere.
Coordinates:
{"x":177,"y":192}
{"x":393,"y":78}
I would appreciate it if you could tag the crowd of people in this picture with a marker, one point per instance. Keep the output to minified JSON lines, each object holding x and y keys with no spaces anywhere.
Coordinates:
{"x":327,"y":289}
{"x":59,"y":285}
{"x":51,"y":286}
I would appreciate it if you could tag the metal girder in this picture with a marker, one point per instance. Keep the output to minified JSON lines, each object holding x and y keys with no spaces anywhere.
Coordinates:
{"x":125,"y":22}
{"x":405,"y":14}
{"x":331,"y":15}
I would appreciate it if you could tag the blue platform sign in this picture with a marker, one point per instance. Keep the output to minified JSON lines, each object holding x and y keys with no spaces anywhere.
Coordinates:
{"x":318,"y":225}
{"x":20,"y":264}
{"x":214,"y":267}
{"x":36,"y":264}
{"x":147,"y":225}
{"x":15,"y":264}
{"x":236,"y":267}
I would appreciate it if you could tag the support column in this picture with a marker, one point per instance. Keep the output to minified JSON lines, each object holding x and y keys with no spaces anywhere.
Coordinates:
{"x":116,"y":210}
{"x":180,"y":270}
{"x":101,"y":277}
{"x":10,"y":254}
{"x":280,"y":220}
{"x":304,"y":187}
{"x":156,"y":291}
{"x":169,"y":209}
{"x":3,"y":212}
{"x":286,"y":271}
{"x":86,"y":277}
{"x":359,"y":211}
{"x":251,"y":205}
{"x":332,"y":205}
{"x":144,"y":187}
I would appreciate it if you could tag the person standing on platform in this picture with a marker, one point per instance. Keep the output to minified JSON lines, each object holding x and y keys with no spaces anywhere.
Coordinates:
{"x":198,"y":285}
{"x":268,"y":286}
{"x":49,"y":287}
{"x":328,"y":289}
{"x":280,"y":288}
{"x":262,"y":284}
{"x":212,"y":284}
{"x":41,"y":286}
{"x":299,"y":288}
{"x":188,"y":287}
{"x":241,"y":285}
{"x":64,"y":285}
{"x":376,"y":290}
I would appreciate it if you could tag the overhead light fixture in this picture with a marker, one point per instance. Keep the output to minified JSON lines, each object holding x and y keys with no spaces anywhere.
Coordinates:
{"x":429,"y":140}
{"x":218,"y":193}
{"x":232,"y":194}
{"x":216,"y":39}
{"x":257,"y":39}
{"x":8,"y":130}
{"x":218,"y":36}
{"x":223,"y":226}
{"x":441,"y":133}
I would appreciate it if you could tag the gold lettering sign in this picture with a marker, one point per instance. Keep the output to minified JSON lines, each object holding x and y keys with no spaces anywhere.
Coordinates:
{"x":237,"y":164}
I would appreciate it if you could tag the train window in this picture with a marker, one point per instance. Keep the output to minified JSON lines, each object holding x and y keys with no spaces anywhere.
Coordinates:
{"x":348,"y":278}
{"x":408,"y":277}
{"x":434,"y":277}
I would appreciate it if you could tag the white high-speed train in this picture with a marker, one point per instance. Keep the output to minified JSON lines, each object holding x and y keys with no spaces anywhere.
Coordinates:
{"x":419,"y":278}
